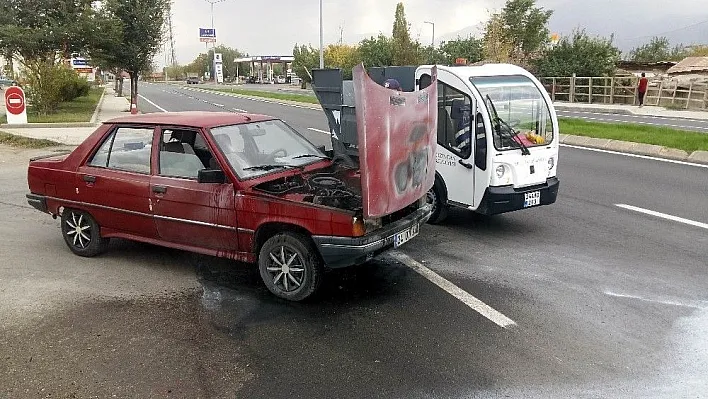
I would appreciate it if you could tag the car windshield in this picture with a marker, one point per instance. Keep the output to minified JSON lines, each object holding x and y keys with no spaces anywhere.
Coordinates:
{"x":257,"y":148}
{"x":520,"y":115}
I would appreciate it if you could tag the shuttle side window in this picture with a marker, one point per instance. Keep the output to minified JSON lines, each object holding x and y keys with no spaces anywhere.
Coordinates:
{"x":424,"y":81}
{"x":480,"y":148}
{"x":455,"y":120}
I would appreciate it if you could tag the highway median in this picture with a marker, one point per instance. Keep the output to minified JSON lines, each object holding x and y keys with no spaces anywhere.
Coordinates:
{"x":271,"y":95}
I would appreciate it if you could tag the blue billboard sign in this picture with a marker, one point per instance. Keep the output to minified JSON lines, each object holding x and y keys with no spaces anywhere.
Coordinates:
{"x":207,"y":32}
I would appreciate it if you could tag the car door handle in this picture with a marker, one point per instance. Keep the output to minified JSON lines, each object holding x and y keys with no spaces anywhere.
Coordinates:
{"x":159,"y":189}
{"x":89,"y":179}
{"x":465,"y":164}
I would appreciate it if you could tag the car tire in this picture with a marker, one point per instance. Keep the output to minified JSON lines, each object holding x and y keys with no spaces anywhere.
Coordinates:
{"x":290,"y":266}
{"x":81,"y":233}
{"x":437,"y":197}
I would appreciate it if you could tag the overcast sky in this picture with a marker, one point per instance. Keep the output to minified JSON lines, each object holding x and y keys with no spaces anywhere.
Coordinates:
{"x":273,"y":27}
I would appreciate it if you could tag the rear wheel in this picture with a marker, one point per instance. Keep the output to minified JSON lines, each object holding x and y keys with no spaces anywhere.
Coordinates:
{"x":81,"y":233}
{"x":290,"y":266}
{"x":436,"y":196}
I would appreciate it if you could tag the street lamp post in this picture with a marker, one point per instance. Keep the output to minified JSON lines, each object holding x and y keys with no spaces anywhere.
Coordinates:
{"x":321,"y":39}
{"x":432,"y":23}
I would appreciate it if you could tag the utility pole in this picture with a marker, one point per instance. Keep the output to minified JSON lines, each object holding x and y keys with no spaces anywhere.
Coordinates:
{"x":172,"y":53}
{"x":321,"y":39}
{"x":432,"y":23}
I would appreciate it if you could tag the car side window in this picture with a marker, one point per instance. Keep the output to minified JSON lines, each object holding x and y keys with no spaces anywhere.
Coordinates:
{"x":126,"y":149}
{"x":455,"y":120}
{"x":183,"y":153}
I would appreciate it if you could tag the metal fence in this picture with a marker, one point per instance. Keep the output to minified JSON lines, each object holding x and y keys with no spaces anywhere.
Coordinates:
{"x":665,"y":92}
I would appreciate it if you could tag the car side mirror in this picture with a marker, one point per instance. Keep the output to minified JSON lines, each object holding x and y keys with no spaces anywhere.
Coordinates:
{"x":211,"y":176}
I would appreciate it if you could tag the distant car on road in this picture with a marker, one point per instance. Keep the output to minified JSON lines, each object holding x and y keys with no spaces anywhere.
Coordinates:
{"x":6,"y":82}
{"x":243,"y":187}
{"x":193,"y":81}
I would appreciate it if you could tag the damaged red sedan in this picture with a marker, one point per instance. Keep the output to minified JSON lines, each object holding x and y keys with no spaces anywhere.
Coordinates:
{"x":244,"y":187}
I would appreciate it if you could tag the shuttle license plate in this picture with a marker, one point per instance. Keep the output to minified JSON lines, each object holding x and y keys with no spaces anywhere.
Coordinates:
{"x":532,"y":199}
{"x":404,"y":236}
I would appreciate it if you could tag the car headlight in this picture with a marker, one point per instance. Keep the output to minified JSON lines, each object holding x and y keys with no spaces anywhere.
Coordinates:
{"x":551,"y":163}
{"x":500,"y":171}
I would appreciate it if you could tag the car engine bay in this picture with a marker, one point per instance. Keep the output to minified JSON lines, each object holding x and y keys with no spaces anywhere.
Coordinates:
{"x":337,"y":189}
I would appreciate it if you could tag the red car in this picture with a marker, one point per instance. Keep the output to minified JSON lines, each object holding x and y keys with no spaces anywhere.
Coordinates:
{"x":244,"y":187}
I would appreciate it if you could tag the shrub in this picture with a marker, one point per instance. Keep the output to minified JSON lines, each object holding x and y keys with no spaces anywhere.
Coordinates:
{"x":49,"y":84}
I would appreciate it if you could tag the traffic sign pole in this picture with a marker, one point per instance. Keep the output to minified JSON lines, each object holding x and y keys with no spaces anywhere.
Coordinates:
{"x":15,"y":105}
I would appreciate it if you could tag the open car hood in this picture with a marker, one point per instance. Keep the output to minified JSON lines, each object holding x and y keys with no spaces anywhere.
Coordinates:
{"x":397,"y":137}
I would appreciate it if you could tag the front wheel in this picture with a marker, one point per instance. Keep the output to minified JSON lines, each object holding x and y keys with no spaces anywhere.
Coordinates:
{"x":436,"y":197}
{"x":290,"y":266}
{"x":81,"y":233}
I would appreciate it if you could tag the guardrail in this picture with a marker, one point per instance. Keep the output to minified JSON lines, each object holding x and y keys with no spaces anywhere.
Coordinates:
{"x":668,"y":93}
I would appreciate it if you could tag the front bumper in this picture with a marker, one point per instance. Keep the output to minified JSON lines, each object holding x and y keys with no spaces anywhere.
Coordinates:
{"x":498,"y":200}
{"x":338,"y":252}
{"x":38,"y":202}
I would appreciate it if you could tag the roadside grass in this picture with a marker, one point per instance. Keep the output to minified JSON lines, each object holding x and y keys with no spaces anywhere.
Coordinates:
{"x":276,"y":96}
{"x":79,"y":110}
{"x":25,"y":142}
{"x":663,"y":136}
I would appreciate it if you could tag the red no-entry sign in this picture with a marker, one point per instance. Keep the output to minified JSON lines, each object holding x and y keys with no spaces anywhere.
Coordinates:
{"x":15,"y":105}
{"x":15,"y":100}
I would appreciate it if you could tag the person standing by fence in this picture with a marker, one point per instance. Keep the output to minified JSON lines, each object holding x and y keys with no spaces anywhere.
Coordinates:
{"x":642,"y":89}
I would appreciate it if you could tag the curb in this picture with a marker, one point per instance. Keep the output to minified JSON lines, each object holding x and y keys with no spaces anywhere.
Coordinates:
{"x":627,"y":147}
{"x":98,"y":107}
{"x":48,"y":125}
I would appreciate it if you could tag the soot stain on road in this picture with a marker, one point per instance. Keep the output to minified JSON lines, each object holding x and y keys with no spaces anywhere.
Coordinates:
{"x":144,"y":347}
{"x":378,"y":330}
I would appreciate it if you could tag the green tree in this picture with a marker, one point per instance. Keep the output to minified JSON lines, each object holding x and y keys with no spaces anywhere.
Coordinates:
{"x":658,"y":49}
{"x":132,"y":33}
{"x":376,"y":51}
{"x":470,"y":48}
{"x":342,"y":56}
{"x":496,"y":47}
{"x":43,"y":34}
{"x":405,"y":50}
{"x":305,"y":60}
{"x":525,"y":26}
{"x":580,"y":54}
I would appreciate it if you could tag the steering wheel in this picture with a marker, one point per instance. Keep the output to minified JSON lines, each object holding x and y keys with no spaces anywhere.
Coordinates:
{"x":275,"y":153}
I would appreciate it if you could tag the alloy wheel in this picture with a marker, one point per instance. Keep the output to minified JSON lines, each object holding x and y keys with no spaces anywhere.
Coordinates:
{"x":286,"y":269}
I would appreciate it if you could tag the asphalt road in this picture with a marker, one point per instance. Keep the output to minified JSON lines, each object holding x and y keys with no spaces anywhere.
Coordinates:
{"x":697,"y":125}
{"x":607,"y":301}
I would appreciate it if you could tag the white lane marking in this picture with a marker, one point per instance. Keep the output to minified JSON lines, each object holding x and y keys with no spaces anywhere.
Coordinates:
{"x":663,"y":301}
{"x":318,"y":130}
{"x":239,"y":110}
{"x":605,"y":120}
{"x":218,"y":105}
{"x":152,"y":103}
{"x":635,"y":156}
{"x":664,"y":216}
{"x":475,"y":304}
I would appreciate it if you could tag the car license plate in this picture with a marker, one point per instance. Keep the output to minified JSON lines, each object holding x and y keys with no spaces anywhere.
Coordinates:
{"x":404,"y":236}
{"x":532,"y":199}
